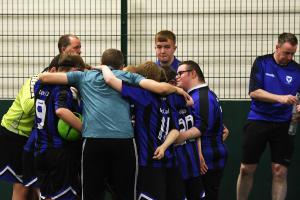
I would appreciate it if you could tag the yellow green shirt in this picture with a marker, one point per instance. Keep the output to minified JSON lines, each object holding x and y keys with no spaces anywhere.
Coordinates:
{"x":20,"y":116}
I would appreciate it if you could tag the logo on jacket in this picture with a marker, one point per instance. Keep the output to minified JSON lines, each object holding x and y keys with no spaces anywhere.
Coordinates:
{"x":289,"y":79}
{"x":270,"y":75}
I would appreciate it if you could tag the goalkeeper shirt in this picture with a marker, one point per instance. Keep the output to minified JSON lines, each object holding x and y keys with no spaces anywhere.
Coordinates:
{"x":19,"y":118}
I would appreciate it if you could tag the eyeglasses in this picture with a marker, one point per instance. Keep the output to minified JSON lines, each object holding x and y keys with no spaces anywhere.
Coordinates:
{"x":181,"y":72}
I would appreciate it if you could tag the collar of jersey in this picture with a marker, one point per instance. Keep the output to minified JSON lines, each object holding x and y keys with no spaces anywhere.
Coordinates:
{"x":198,"y":86}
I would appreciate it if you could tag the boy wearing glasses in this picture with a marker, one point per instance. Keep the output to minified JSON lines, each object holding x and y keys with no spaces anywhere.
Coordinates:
{"x":210,"y":128}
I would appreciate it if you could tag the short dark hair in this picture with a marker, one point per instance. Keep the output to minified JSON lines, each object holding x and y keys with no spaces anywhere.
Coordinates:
{"x":164,"y":35}
{"x":64,"y":41}
{"x":113,"y":58}
{"x":192,"y":65}
{"x":287,"y":37}
{"x":68,"y":60}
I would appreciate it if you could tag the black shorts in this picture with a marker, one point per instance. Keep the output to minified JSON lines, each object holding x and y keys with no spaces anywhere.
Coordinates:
{"x":212,"y":181}
{"x":257,"y":134}
{"x":11,"y":148}
{"x":58,"y":172}
{"x":194,"y":188}
{"x":160,"y":184}
{"x":109,"y":160}
{"x":29,"y":172}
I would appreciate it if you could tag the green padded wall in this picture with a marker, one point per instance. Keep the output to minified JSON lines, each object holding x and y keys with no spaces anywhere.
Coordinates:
{"x":235,"y":113}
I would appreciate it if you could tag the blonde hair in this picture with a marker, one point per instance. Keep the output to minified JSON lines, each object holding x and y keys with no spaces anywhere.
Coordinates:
{"x":150,"y":70}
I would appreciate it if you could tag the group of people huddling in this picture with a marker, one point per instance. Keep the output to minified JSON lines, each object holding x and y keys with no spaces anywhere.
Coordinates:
{"x":154,"y":131}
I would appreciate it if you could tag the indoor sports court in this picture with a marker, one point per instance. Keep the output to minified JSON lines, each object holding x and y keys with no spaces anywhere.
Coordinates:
{"x":223,"y":36}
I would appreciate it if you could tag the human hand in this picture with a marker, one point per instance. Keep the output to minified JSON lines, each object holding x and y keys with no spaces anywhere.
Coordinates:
{"x":159,"y":152}
{"x":287,"y":99}
{"x":225,"y":133}
{"x":186,"y":96}
{"x":298,"y":108}
{"x":203,"y":166}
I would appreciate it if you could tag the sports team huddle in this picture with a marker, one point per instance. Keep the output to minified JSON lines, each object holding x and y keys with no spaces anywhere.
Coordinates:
{"x":149,"y":132}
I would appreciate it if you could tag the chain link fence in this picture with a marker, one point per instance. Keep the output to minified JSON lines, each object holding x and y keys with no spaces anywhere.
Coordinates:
{"x":223,"y":36}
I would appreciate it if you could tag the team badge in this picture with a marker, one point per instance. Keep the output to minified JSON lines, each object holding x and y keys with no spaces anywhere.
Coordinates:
{"x":289,"y":79}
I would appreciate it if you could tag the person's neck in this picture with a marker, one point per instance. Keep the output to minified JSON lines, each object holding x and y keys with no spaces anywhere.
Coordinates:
{"x":196,"y":84}
{"x":276,"y":58}
{"x":167,"y":63}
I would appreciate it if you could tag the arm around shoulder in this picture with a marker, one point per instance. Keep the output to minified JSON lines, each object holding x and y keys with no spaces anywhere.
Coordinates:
{"x":110,"y":79}
{"x":156,"y":87}
{"x":54,"y":78}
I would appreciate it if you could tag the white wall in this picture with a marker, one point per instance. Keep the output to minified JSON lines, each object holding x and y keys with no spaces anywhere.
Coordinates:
{"x":224,"y":36}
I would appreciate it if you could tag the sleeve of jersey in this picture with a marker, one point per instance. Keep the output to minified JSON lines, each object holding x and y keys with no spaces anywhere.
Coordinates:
{"x":135,"y":94}
{"x":256,"y":76}
{"x":74,"y":78}
{"x":27,"y":97}
{"x":133,"y":78}
{"x":63,"y":98}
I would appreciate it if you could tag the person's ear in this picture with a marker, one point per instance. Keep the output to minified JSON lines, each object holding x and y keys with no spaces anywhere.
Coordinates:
{"x":194,"y":74}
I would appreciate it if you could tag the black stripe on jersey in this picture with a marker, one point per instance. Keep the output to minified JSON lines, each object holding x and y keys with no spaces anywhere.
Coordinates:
{"x":171,"y":126}
{"x":217,"y":124}
{"x":150,"y":145}
{"x":49,"y":99}
{"x":61,"y":101}
{"x":214,"y":144}
{"x":204,"y":107}
{"x":215,"y":131}
{"x":189,"y":164}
